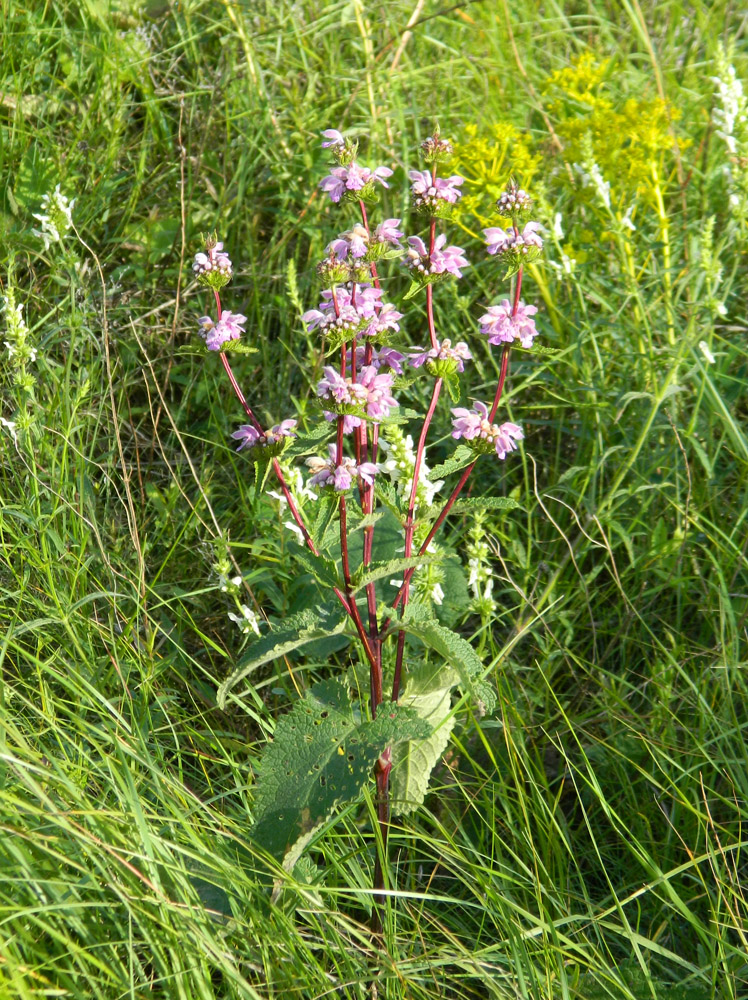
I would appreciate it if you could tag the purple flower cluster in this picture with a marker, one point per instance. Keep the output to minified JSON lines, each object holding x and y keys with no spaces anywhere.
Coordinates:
{"x":456,"y":356}
{"x":474,"y":425}
{"x":353,"y":178}
{"x":340,"y":477}
{"x":215,"y":259}
{"x":384,"y":357}
{"x":430,"y":194}
{"x":229,"y":327}
{"x":363,"y":313}
{"x":357,"y":244}
{"x":441,"y":261}
{"x":502,"y":327}
{"x":250,"y":437}
{"x":370,"y":395}
{"x":506,"y":241}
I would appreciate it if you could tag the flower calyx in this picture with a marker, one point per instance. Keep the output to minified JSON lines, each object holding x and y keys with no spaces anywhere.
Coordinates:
{"x":435,"y":149}
{"x":343,"y":149}
{"x":262,"y":446}
{"x":212,"y":266}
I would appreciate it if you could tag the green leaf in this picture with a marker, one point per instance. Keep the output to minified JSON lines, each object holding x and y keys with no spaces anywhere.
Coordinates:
{"x":485,"y":694}
{"x":326,"y":507}
{"x":322,"y":568}
{"x":428,"y":693}
{"x":484,"y":503}
{"x":380,"y":570}
{"x":537,"y":349}
{"x":452,"y":384}
{"x":262,"y":474}
{"x":191,"y":350}
{"x":298,"y":630}
{"x":320,"y":759}
{"x":387,"y":493}
{"x":461,"y":457}
{"x":455,"y":650}
{"x":237,"y":347}
{"x":415,"y":288}
{"x":310,"y":441}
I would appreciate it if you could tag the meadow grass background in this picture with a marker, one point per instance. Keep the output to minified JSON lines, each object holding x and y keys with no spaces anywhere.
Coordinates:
{"x":588,"y":839}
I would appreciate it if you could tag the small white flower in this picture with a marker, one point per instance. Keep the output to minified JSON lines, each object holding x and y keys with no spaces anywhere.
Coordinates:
{"x":292,"y":526}
{"x":10,"y":427}
{"x":279,"y":497}
{"x":566,"y":266}
{"x":437,"y":594}
{"x":247,"y":621}
{"x":704,"y":347}
{"x":557,"y":230}
{"x":591,"y":176}
{"x":626,"y":222}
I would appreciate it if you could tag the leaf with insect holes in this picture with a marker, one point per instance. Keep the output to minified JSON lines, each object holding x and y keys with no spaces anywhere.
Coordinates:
{"x":320,"y":759}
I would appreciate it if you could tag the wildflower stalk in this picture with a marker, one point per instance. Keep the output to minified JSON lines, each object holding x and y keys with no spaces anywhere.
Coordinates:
{"x":384,"y":764}
{"x":430,"y":288}
{"x":410,"y":527}
{"x":355,"y":402}
{"x":367,"y":494}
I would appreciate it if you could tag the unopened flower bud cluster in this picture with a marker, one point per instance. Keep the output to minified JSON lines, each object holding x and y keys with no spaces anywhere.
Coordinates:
{"x":435,"y":149}
{"x":480,"y":572}
{"x":515,"y":203}
{"x":18,"y":344}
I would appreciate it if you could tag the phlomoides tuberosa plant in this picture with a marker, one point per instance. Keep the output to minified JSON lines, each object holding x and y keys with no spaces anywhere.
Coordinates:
{"x":327,"y":747}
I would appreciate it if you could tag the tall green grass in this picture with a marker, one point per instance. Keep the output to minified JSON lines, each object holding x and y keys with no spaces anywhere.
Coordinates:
{"x":588,"y":839}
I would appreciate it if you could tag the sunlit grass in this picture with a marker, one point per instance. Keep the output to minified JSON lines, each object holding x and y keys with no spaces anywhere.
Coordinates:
{"x":588,"y":838}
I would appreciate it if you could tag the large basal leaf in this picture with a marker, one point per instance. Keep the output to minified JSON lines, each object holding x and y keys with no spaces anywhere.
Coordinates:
{"x":428,"y":693}
{"x":298,"y":630}
{"x":320,"y":759}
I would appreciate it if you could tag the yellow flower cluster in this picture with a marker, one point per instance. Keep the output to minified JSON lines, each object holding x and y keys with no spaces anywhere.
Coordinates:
{"x":630,"y":141}
{"x":578,"y":81}
{"x":487,"y":161}
{"x":626,"y":138}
